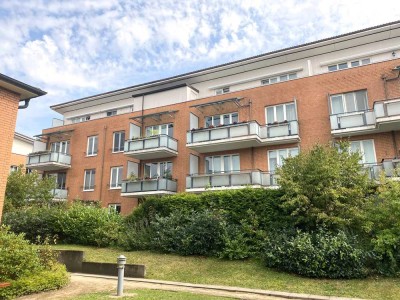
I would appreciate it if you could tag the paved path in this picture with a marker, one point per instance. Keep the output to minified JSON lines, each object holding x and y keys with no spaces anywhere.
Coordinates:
{"x":85,"y":283}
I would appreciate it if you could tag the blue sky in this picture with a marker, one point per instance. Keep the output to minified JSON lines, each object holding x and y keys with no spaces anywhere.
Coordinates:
{"x":73,"y":49}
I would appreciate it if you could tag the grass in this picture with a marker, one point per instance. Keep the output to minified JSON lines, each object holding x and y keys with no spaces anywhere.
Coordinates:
{"x":152,"y":295}
{"x":249,"y":274}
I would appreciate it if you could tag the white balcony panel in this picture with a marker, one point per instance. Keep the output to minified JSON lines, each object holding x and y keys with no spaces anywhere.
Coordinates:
{"x":59,"y":194}
{"x":388,"y":115}
{"x":143,"y":188}
{"x":355,"y":123}
{"x":160,"y":146}
{"x":48,"y":161}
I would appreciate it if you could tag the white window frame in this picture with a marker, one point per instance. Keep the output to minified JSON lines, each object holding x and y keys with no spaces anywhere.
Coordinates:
{"x":111,"y":113}
{"x":284,"y":112}
{"x":361,"y":143}
{"x":159,"y":166}
{"x":349,"y":64}
{"x":223,"y":90}
{"x":63,"y":147}
{"x":92,"y":177}
{"x":120,"y":133}
{"x":222,"y":162}
{"x":118,"y":180}
{"x":157,"y":128}
{"x":279,"y":160}
{"x":92,"y":153}
{"x":279,"y":78}
{"x":80,"y":119}
{"x":221,"y":118}
{"x":344,"y":104}
{"x":13,"y":168}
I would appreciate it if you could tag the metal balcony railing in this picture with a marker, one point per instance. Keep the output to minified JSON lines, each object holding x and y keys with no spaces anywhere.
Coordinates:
{"x":149,"y":185}
{"x":230,"y":179}
{"x":352,"y":119}
{"x":48,"y":157}
{"x":287,"y":128}
{"x":151,"y":143}
{"x":387,"y":108}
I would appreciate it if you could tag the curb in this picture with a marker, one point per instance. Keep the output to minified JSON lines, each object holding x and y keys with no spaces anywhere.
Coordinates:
{"x":225,"y":288}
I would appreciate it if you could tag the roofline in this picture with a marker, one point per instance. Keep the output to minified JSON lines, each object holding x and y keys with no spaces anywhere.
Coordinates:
{"x":182,"y":76}
{"x":38,"y":92}
{"x":24,"y":137}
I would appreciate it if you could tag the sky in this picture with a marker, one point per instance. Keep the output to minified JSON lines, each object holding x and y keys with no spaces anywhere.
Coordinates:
{"x":74,"y":49}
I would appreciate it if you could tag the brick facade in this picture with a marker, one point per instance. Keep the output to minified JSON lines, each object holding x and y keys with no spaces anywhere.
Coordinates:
{"x":310,"y":93}
{"x":8,"y":114}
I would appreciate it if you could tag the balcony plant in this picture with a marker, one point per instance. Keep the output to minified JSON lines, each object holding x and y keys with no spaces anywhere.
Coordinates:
{"x":211,"y":126}
{"x":132,"y":177}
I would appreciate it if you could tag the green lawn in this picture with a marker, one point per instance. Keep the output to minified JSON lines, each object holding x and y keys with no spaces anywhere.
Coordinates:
{"x":152,"y":295}
{"x":249,"y":274}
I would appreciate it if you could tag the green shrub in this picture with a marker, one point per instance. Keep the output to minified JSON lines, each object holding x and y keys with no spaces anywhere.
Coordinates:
{"x":195,"y":233}
{"x":316,"y":254}
{"x":17,"y":256}
{"x":48,"y":279}
{"x":89,"y":225}
{"x":382,"y":224}
{"x":324,"y":186}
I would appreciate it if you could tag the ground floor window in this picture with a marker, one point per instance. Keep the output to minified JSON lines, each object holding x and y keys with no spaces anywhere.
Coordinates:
{"x":115,"y":207}
{"x":89,"y":179}
{"x":276,"y":158}
{"x":116,"y":177}
{"x":366,"y":149}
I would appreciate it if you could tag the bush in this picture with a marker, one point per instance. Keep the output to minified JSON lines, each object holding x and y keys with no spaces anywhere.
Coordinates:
{"x":17,"y":256}
{"x":382,"y":224}
{"x":27,"y":270}
{"x":76,"y":224}
{"x":316,"y":254}
{"x":195,"y":233}
{"x":324,"y":186}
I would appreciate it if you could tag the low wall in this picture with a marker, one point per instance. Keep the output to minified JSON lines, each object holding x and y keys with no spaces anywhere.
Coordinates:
{"x":73,"y":260}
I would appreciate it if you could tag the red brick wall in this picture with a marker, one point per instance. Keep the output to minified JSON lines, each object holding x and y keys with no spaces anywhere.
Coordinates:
{"x":8,"y":115}
{"x":311,"y":94}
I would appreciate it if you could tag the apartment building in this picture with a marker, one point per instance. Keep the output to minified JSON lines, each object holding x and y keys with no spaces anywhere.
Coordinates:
{"x":12,"y":93}
{"x":231,"y":125}
{"x":22,"y":146}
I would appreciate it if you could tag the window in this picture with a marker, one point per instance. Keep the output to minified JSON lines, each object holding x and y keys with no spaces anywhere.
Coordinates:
{"x":366,"y":149}
{"x":224,"y":119}
{"x":222,"y":164}
{"x":280,"y":78}
{"x":111,"y":113}
{"x":280,"y":113}
{"x":116,"y":208}
{"x":60,"y":147}
{"x":92,"y":146}
{"x":159,"y":169}
{"x":116,"y":177}
{"x":118,"y":141}
{"x":277,"y":158}
{"x":349,"y":102}
{"x":167,"y":129}
{"x":88,"y":181}
{"x":13,"y":169}
{"x":60,"y":179}
{"x":222,"y":90}
{"x":80,"y":119}
{"x":352,"y":64}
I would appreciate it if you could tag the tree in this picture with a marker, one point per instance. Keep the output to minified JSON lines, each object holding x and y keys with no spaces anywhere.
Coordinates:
{"x":24,"y":189}
{"x":324,"y":186}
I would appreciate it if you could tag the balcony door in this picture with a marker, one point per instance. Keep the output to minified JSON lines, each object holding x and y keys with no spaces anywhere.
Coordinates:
{"x":222,"y":164}
{"x":60,"y":147}
{"x":349,"y":102}
{"x":167,"y":129}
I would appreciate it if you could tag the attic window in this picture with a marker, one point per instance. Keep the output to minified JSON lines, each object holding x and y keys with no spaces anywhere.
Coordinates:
{"x":111,"y":113}
{"x":224,"y":90}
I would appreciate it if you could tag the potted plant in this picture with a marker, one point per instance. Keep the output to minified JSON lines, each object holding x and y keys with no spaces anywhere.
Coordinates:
{"x":132,"y":177}
{"x":211,"y":126}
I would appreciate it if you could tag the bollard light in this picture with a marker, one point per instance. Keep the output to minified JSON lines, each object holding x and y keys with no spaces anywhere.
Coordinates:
{"x":121,"y":261}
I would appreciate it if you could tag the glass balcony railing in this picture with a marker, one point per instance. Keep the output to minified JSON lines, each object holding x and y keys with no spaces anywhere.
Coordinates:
{"x":352,"y":119}
{"x":230,"y":180}
{"x":151,"y":143}
{"x":149,"y":186}
{"x":61,"y":194}
{"x":389,"y":108}
{"x":47,"y":158}
{"x":283,"y":129}
{"x":223,"y":132}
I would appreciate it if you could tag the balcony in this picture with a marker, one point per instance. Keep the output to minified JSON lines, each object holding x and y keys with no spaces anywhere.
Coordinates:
{"x":197,"y":183}
{"x":280,"y":133}
{"x":157,"y":146}
{"x":353,"y":123}
{"x":59,"y":194}
{"x":387,"y":114}
{"x":241,"y":135}
{"x":48,"y":161}
{"x":148,"y":187}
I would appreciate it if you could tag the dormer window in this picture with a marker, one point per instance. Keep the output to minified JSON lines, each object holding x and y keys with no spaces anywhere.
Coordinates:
{"x":111,"y":113}
{"x":223,"y":90}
